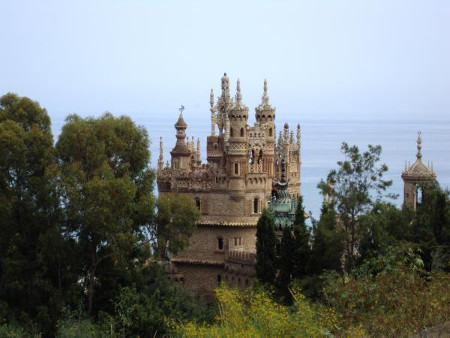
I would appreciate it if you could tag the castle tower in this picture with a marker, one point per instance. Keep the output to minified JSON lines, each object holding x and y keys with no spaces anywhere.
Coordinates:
{"x":414,"y":177}
{"x":236,"y":144}
{"x":231,"y":189}
{"x":181,"y":153}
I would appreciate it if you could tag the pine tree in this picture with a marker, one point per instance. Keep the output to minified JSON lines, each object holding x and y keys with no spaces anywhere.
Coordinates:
{"x":266,"y":242}
{"x":302,"y":239}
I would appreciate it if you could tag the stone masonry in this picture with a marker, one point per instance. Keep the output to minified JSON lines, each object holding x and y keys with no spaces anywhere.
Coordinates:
{"x":244,"y":164}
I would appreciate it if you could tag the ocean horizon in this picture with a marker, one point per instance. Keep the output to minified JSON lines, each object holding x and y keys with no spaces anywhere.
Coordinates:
{"x":321,"y":142}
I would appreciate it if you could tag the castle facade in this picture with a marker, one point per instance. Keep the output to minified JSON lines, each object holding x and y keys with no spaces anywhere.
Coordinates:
{"x":244,"y":168}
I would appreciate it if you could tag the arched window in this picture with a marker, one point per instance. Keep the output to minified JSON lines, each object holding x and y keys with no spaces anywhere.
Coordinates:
{"x":175,"y":164}
{"x":236,"y":168}
{"x":215,"y":146}
{"x":219,"y":243}
{"x":219,"y":279}
{"x":419,"y":196}
{"x":270,"y":132}
{"x":198,"y":202}
{"x":242,"y":132}
{"x":231,"y":132}
{"x":256,"y":205}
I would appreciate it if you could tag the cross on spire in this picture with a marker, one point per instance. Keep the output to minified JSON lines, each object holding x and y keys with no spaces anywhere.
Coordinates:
{"x":419,"y":146}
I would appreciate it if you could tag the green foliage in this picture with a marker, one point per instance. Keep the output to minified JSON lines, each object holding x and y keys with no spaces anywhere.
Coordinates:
{"x":302,"y":243}
{"x":257,"y":314}
{"x":328,"y":243}
{"x":381,"y":228}
{"x":266,"y":241}
{"x":355,"y":186}
{"x":286,"y":264}
{"x":431,"y":227}
{"x":12,"y":331}
{"x":36,"y":262}
{"x":391,"y":295}
{"x":175,"y":222}
{"x":145,"y":311}
{"x":108,"y":185}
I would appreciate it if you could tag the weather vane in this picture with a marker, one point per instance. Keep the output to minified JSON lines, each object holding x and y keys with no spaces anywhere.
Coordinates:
{"x":181,"y":109}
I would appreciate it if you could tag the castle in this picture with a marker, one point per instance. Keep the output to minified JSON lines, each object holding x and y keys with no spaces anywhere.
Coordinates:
{"x":246,"y":167}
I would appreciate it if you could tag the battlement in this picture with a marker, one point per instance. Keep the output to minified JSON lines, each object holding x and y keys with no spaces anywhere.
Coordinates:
{"x":240,"y":256}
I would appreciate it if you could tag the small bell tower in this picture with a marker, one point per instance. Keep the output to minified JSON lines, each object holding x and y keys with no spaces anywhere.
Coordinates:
{"x":414,"y":176}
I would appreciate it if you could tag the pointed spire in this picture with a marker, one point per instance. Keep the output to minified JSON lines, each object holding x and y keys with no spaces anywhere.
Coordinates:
{"x":198,"y":151}
{"x":298,"y":134}
{"x":265,"y":104}
{"x":211,"y":100}
{"x":419,"y":146}
{"x":286,"y":133}
{"x":238,"y":92}
{"x":291,"y":139}
{"x":265,"y":97}
{"x":161,"y":156}
{"x":212,"y":109}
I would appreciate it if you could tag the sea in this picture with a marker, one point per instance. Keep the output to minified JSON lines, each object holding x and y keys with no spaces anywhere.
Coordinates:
{"x":321,"y":146}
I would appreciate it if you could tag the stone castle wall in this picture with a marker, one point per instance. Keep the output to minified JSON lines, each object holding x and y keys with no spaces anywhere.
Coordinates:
{"x":231,"y":189}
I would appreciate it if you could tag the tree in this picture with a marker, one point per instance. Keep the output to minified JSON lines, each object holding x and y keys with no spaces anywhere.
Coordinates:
{"x":431,"y":227}
{"x":175,"y":222}
{"x":302,"y":242}
{"x":107,"y":194}
{"x":355,"y":186}
{"x":36,"y":264}
{"x":266,"y":242}
{"x":286,"y":263}
{"x":328,"y":242}
{"x":382,"y":227}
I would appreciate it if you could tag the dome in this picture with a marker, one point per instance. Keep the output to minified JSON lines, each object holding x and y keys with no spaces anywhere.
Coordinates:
{"x":181,"y":124}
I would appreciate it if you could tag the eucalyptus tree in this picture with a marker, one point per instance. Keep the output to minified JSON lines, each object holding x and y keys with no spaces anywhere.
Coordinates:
{"x":108,"y":191}
{"x":355,"y":186}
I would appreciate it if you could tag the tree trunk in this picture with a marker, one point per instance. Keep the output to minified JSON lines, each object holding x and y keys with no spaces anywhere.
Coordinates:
{"x":92,"y":281}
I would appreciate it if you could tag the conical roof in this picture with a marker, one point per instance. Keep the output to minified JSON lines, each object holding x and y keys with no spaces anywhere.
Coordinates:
{"x":418,"y":170}
{"x":181,"y":124}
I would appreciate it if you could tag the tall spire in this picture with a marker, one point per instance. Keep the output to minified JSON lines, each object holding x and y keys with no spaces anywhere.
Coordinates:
{"x":238,"y":104}
{"x":265,"y":104}
{"x":213,"y":113}
{"x":298,"y":134}
{"x":265,"y":111}
{"x":238,"y":92}
{"x":419,"y":146}
{"x":161,"y":156}
{"x":198,"y":151}
{"x":211,"y":100}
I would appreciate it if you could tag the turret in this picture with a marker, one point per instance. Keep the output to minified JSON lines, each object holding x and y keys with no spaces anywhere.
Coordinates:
{"x":224,"y":103}
{"x":238,"y":116}
{"x":265,"y":113}
{"x":181,"y":153}
{"x":415,"y":177}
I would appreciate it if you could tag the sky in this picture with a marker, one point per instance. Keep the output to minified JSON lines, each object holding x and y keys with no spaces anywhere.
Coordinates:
{"x":322,"y":59}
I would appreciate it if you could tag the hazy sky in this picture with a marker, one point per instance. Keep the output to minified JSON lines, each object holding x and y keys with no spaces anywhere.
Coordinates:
{"x":344,"y":59}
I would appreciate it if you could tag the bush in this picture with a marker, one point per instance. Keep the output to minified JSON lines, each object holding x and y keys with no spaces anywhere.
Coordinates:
{"x":256,"y":314}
